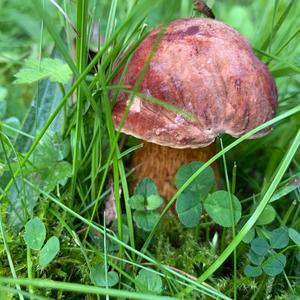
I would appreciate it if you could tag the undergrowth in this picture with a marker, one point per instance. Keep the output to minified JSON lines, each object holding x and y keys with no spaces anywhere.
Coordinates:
{"x":64,"y":169}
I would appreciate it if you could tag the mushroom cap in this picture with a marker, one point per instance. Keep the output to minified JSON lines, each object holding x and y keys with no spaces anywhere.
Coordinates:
{"x":203,"y":67}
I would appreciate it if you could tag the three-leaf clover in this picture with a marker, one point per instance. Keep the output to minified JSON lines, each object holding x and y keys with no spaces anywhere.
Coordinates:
{"x":145,"y":201}
{"x":264,"y":258}
{"x":188,"y":204}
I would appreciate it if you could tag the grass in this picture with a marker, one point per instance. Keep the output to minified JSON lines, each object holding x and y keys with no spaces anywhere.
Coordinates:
{"x":60,"y":162}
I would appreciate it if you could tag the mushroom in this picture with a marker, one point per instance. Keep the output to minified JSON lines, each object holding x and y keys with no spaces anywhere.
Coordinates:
{"x":205,"y":68}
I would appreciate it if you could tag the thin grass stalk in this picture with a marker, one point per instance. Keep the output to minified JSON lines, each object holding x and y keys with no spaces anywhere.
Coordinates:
{"x":81,"y":59}
{"x":23,"y":293}
{"x":232,"y":221}
{"x":96,"y":160}
{"x":277,"y":26}
{"x":5,"y":140}
{"x":81,"y":288}
{"x":112,"y":137}
{"x":126,"y":199}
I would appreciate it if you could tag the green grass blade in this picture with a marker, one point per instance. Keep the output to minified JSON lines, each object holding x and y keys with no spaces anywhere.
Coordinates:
{"x":277,"y":26}
{"x":23,"y":293}
{"x":81,"y":288}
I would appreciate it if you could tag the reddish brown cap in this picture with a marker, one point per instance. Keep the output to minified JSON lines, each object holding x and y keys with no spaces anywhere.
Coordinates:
{"x":205,"y":68}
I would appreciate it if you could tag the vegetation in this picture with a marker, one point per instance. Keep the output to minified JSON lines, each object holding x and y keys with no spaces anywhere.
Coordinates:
{"x":62,"y":163}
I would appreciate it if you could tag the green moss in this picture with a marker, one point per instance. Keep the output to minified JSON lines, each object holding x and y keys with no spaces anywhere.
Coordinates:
{"x":180,"y":248}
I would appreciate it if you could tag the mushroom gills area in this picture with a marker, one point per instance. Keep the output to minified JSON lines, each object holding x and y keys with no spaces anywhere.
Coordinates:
{"x":161,"y":163}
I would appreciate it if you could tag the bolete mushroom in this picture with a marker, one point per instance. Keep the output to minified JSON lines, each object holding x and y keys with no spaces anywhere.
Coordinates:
{"x":203,"y":67}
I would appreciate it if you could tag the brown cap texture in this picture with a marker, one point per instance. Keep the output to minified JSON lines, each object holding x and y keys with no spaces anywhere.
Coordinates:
{"x":205,"y":68}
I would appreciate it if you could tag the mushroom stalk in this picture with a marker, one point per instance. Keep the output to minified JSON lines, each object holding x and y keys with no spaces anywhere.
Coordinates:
{"x":161,"y":163}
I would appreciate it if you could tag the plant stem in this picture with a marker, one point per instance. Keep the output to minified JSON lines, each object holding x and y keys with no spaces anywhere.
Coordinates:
{"x":81,"y":59}
{"x":29,"y":269}
{"x":232,"y":221}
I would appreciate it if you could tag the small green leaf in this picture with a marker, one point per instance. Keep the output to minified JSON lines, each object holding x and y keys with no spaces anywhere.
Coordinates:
{"x":35,"y":234}
{"x":49,"y":251}
{"x":267,"y":216}
{"x":148,"y":282}
{"x":202,"y":184}
{"x":294,"y":236}
{"x":251,"y":271}
{"x":255,"y":258}
{"x":275,"y":265}
{"x":218,"y":207}
{"x":137,"y":202}
{"x":154,"y":202}
{"x":35,"y":70}
{"x":279,"y":238}
{"x":188,"y":208}
{"x":298,"y":256}
{"x":99,"y":278}
{"x":260,"y":246}
{"x":145,"y":220}
{"x":146,"y":188}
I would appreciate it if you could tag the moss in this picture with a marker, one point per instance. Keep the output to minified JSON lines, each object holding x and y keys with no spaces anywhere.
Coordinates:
{"x":180,"y":248}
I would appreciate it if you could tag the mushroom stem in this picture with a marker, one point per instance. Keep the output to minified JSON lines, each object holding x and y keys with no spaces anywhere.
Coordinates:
{"x":161,"y":163}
